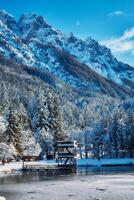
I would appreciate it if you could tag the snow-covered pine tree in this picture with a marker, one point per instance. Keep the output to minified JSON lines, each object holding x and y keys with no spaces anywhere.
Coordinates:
{"x":13,"y":132}
{"x":121,"y":114}
{"x":44,"y":119}
{"x":38,"y":108}
{"x":46,"y":142}
{"x":130,"y":132}
{"x":55,"y":119}
{"x":114,"y":135}
{"x":99,"y":139}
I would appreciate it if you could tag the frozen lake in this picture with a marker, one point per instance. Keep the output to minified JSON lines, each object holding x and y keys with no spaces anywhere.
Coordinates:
{"x":106,"y":183}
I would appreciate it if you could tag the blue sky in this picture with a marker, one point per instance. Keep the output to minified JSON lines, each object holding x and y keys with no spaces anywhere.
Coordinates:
{"x":111,"y":22}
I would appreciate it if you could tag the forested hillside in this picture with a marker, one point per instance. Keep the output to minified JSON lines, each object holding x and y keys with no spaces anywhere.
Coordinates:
{"x":57,"y":87}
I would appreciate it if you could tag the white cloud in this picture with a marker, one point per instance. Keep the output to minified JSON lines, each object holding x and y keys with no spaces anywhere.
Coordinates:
{"x":128,"y":34}
{"x":116,"y":13}
{"x":122,"y":44}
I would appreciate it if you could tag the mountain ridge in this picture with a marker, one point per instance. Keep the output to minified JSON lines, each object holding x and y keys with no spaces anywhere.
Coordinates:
{"x":35,"y":43}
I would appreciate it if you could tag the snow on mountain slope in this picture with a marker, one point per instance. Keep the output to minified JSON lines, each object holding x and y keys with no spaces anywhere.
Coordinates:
{"x":100,"y":59}
{"x":12,"y":47}
{"x":89,"y":52}
{"x":9,"y":20}
{"x":70,"y":70}
{"x":33,"y":42}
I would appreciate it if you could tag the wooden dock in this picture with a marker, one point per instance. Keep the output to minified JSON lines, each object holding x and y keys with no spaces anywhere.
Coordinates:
{"x":39,"y":167}
{"x":66,"y":159}
{"x":48,"y":168}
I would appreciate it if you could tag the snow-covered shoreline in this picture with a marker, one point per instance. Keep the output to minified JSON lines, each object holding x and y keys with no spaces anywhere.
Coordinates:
{"x":2,"y":198}
{"x":17,"y":166}
{"x":11,"y":167}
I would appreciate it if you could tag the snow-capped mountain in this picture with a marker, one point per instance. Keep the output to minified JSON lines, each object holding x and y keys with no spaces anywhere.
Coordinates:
{"x":90,"y":52}
{"x":8,"y":19}
{"x":53,"y":83}
{"x":81,"y":64}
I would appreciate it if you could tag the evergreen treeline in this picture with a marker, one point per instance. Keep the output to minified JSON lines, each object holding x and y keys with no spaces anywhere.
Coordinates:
{"x":33,"y":116}
{"x":108,"y":133}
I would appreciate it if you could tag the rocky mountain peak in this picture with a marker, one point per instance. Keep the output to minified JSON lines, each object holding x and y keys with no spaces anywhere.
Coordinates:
{"x":40,"y":41}
{"x":5,"y":15}
{"x":30,"y":24}
{"x":8,"y":20}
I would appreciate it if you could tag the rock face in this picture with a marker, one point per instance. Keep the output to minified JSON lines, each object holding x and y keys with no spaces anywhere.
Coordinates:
{"x":33,"y":42}
{"x":9,"y":20}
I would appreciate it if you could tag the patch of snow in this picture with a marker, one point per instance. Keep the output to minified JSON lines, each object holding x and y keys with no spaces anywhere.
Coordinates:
{"x":7,"y":151}
{"x":2,"y":198}
{"x":10,"y":167}
{"x":3,"y":124}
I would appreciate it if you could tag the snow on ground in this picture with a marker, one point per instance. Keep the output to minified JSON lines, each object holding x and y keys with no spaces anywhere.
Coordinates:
{"x":10,"y":167}
{"x":2,"y":198}
{"x":16,"y":166}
